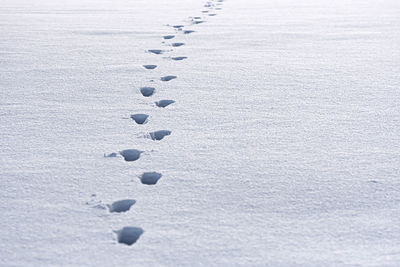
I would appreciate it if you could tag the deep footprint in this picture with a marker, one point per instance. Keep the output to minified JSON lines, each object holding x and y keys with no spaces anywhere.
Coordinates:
{"x":159,"y":135}
{"x":167,"y":37}
{"x":188,"y":32}
{"x":147,"y":91}
{"x":131,"y":154}
{"x":150,"y":67}
{"x":156,"y":51}
{"x":121,"y":205}
{"x":178,"y":58}
{"x":177,"y":44}
{"x":139,"y":118}
{"x":168,"y":78}
{"x":178,"y":26}
{"x":163,"y":103}
{"x":150,"y":178}
{"x":129,"y":235}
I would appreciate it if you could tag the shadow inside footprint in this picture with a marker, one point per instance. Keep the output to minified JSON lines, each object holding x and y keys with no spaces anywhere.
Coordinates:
{"x":178,"y":26}
{"x":159,"y":135}
{"x":121,"y":205}
{"x":163,"y":103}
{"x":188,"y":32}
{"x":156,"y":51}
{"x":147,"y":91}
{"x":167,"y":37}
{"x":150,"y":178}
{"x":139,"y":118}
{"x":150,"y":67}
{"x":129,"y":235}
{"x":178,"y":58}
{"x":131,"y":154}
{"x":177,"y":44}
{"x":168,"y":78}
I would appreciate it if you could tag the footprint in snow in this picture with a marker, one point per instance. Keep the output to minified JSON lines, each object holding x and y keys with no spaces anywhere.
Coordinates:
{"x":121,"y":205}
{"x":188,"y":32}
{"x":159,"y":135}
{"x":178,"y":26}
{"x":167,"y":37}
{"x":177,"y":44}
{"x":150,"y":67}
{"x":129,"y":235}
{"x":150,"y":178}
{"x":140,"y":118}
{"x":131,"y":154}
{"x":178,"y":58}
{"x":168,"y":78}
{"x":147,"y":91}
{"x":163,"y":103}
{"x":156,"y":51}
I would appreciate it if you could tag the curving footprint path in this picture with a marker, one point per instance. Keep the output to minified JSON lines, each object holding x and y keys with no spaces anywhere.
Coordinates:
{"x":129,"y":235}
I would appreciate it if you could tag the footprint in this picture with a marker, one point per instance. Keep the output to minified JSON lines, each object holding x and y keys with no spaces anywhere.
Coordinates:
{"x":198,"y":21}
{"x":188,"y":32}
{"x":211,"y":15}
{"x":168,"y":78}
{"x":159,"y":135}
{"x":156,"y":51}
{"x":197,"y":17}
{"x":147,"y":91}
{"x":178,"y":26}
{"x":129,"y":235}
{"x":131,"y":154}
{"x":140,"y":118}
{"x":205,"y":11}
{"x":218,"y":8}
{"x":150,"y":178}
{"x":163,"y":103}
{"x":167,"y":37}
{"x":178,"y":58}
{"x":150,"y":67}
{"x":111,"y":155}
{"x":177,"y":44}
{"x":121,"y":205}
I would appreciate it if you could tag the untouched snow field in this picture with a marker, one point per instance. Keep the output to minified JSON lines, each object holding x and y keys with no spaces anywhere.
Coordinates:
{"x":281,"y":145}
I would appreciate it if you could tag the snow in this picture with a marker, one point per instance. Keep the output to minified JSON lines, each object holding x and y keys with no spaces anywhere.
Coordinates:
{"x":283,"y":121}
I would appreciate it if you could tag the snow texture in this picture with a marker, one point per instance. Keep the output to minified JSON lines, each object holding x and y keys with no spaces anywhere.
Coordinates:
{"x":285,"y":122}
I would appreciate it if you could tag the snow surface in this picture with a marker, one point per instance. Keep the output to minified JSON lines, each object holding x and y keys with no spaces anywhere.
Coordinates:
{"x":284,"y":144}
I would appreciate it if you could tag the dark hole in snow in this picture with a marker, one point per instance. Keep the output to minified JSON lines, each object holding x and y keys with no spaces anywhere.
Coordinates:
{"x":129,"y":235}
{"x":147,"y":91}
{"x":121,"y":205}
{"x":168,"y":78}
{"x":140,"y":118}
{"x":163,"y":103}
{"x":131,"y":154}
{"x":159,"y":135}
{"x":150,"y":178}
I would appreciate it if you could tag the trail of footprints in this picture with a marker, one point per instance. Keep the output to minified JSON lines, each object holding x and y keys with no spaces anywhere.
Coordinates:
{"x":130,"y":235}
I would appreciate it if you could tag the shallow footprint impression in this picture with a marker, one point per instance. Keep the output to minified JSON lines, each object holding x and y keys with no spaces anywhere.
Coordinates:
{"x":121,"y":205}
{"x":140,"y":118}
{"x":178,"y":58}
{"x":150,"y":178}
{"x":129,"y":235}
{"x":163,"y":103}
{"x":131,"y":154}
{"x":159,"y":135}
{"x":156,"y":51}
{"x":167,"y":37}
{"x":150,"y":67}
{"x":168,"y":78}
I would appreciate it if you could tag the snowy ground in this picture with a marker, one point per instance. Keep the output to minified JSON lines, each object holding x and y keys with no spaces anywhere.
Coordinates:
{"x":284,"y":145}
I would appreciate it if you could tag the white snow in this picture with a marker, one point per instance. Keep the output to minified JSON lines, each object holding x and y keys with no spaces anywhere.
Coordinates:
{"x":284,"y":122}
